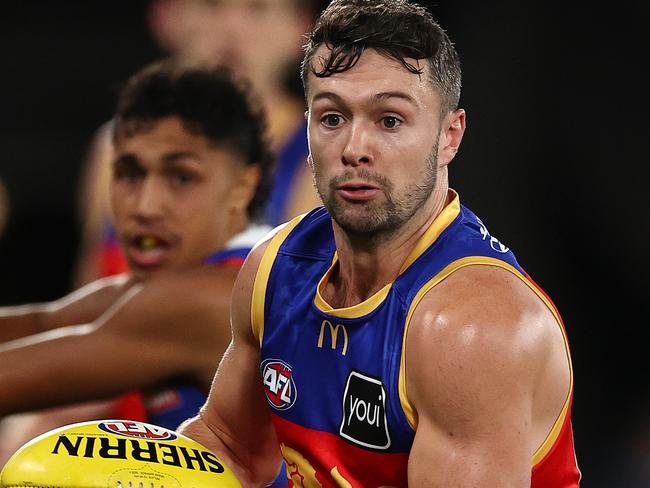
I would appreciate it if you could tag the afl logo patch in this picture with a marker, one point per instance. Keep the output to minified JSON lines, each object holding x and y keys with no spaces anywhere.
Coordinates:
{"x":137,"y":429}
{"x":279,"y":386}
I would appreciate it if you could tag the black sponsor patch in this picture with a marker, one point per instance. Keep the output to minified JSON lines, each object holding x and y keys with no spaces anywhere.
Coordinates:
{"x":364,"y":412}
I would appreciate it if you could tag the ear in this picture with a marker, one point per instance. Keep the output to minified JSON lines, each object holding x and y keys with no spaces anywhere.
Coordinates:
{"x":451,"y":134}
{"x":244,"y":189}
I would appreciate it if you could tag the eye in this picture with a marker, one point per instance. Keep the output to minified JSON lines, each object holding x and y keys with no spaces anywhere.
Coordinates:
{"x":390,"y":122}
{"x":128,"y":173}
{"x":181,"y":178}
{"x":332,"y":120}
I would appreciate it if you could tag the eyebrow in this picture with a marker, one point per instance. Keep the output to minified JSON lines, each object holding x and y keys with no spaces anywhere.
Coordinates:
{"x":395,"y":94}
{"x":329,"y":96}
{"x":173,"y":157}
{"x":127,"y":158}
{"x":167,"y":159}
{"x":377,"y":97}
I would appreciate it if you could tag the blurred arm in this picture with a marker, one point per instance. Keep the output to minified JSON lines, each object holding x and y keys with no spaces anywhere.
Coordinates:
{"x":82,"y":306}
{"x":21,"y":321}
{"x":150,"y":334}
{"x":16,"y":430}
{"x":235,"y":422}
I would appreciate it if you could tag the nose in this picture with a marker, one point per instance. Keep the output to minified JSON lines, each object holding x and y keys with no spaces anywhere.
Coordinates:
{"x":150,"y":203}
{"x":357,"y":150}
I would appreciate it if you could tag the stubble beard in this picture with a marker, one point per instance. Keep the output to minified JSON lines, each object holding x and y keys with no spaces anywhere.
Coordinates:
{"x":373,"y":222}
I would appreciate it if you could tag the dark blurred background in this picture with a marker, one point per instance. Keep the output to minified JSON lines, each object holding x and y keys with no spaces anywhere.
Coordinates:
{"x":554,"y":161}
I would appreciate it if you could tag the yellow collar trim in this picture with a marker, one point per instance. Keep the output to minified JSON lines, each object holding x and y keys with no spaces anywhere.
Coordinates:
{"x":437,"y":227}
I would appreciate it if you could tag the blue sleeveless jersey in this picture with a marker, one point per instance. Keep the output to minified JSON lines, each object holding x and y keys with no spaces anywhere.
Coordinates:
{"x":334,"y":378}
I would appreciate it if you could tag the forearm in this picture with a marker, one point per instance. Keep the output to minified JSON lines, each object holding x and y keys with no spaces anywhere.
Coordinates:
{"x":197,"y":429}
{"x":68,"y":365}
{"x":252,"y":468}
{"x":20,"y":321}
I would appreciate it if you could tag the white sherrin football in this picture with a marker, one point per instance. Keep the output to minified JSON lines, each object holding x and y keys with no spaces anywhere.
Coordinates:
{"x":115,"y":454}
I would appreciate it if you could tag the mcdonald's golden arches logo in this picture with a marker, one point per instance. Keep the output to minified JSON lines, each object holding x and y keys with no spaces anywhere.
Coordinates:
{"x":334,"y":334}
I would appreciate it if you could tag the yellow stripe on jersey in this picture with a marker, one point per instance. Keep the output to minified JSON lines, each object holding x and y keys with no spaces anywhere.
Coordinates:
{"x":407,"y":407}
{"x":262,"y":277}
{"x":437,"y":227}
{"x":359,"y":310}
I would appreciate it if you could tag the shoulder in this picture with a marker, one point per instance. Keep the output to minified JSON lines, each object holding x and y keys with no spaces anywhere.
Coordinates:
{"x":481,"y":323}
{"x":498,"y":300}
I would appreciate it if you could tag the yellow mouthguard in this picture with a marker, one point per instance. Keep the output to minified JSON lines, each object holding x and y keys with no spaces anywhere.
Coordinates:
{"x":148,"y":242}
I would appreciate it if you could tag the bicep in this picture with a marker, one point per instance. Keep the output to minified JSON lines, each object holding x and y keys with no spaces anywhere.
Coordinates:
{"x":238,"y":383}
{"x":480,"y":449}
{"x":471,"y":377}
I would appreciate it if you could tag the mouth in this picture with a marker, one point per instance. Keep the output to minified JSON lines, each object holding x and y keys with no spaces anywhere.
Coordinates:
{"x":358,"y":192}
{"x":147,"y":250}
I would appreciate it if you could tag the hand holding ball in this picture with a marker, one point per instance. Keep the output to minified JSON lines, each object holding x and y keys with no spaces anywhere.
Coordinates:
{"x":115,"y":454}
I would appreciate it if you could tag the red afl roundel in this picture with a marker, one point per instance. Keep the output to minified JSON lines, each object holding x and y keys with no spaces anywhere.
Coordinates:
{"x":278,"y":384}
{"x":137,"y":429}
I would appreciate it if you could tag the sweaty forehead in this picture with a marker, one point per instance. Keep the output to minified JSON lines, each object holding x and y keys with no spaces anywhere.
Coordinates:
{"x":374,"y":73}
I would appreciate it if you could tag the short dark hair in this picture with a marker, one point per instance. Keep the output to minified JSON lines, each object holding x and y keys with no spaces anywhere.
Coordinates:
{"x":210,"y":103}
{"x":397,"y":28}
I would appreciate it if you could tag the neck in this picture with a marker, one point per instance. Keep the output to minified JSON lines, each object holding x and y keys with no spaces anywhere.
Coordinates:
{"x":363,"y":269}
{"x":237,"y":224}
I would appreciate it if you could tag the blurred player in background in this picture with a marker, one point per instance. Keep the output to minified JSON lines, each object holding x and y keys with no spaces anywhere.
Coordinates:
{"x":260,"y":41}
{"x":189,"y":177}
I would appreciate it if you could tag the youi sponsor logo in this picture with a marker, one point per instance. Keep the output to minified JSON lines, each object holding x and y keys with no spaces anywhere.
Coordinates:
{"x":363,"y":419}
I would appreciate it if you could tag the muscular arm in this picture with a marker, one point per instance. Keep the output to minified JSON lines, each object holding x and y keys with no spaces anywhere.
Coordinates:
{"x":487,"y":377}
{"x":235,"y":422}
{"x":150,"y":334}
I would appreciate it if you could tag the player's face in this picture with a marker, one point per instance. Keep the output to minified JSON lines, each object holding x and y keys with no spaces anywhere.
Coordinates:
{"x":373,"y":139}
{"x":173,"y":196}
{"x":255,"y":38}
